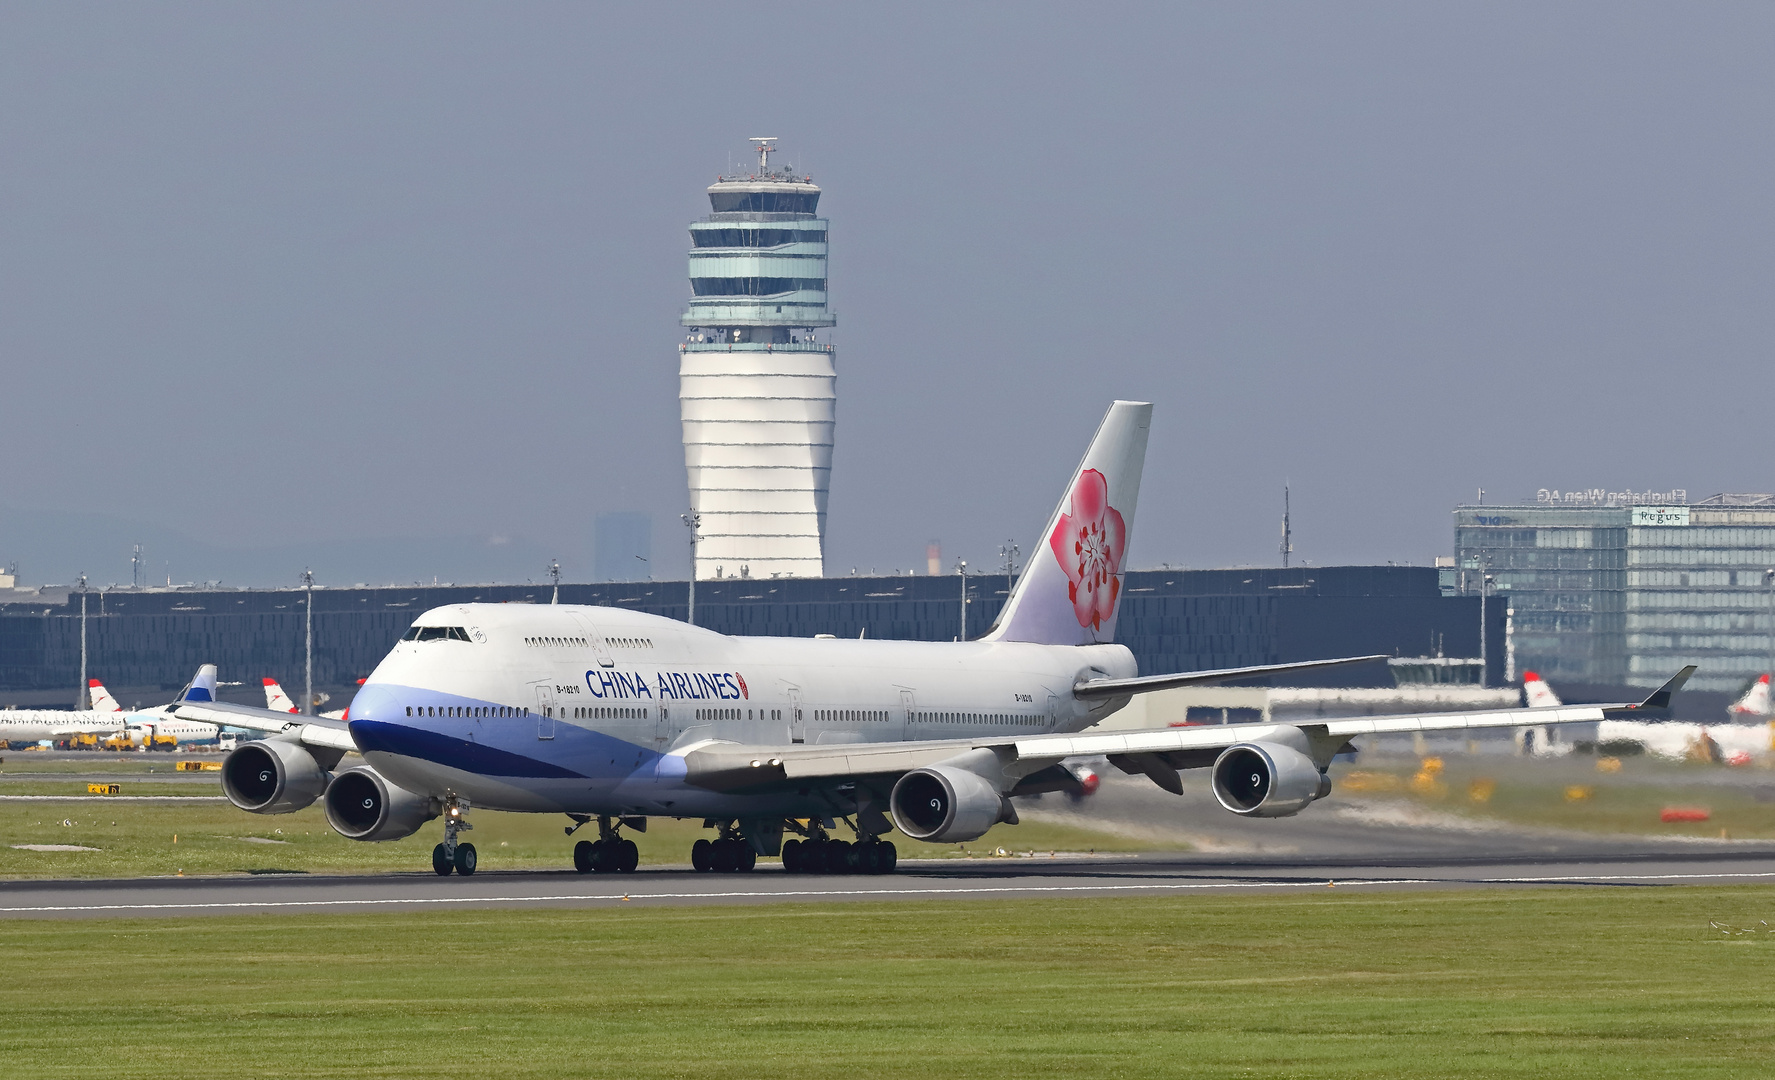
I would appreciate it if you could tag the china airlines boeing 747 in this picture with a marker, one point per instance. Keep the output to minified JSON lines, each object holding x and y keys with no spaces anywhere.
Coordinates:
{"x":612,"y":717}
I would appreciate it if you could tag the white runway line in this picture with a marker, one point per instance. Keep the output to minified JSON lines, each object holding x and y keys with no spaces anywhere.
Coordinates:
{"x":633,"y":897}
{"x":113,"y":798}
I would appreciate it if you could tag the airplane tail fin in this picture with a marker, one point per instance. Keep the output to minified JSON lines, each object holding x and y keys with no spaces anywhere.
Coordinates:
{"x":202,"y":686}
{"x":1536,"y":693}
{"x":102,"y":701}
{"x":1755,"y":701}
{"x":1072,"y":588}
{"x":275,"y":698}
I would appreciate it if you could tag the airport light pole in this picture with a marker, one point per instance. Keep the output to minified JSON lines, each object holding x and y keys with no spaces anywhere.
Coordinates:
{"x":1485,"y":581}
{"x":308,"y":648}
{"x":555,"y":573}
{"x":961,"y":568}
{"x":1009,"y":553}
{"x":80,"y":694}
{"x":694,"y":521}
{"x":1769,"y":587}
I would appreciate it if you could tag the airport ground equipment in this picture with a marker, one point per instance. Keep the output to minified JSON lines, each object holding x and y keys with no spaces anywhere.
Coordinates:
{"x":599,"y":713}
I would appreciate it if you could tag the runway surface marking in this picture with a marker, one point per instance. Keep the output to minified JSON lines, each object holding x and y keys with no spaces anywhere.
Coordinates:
{"x":631,"y":897}
{"x":113,"y":798}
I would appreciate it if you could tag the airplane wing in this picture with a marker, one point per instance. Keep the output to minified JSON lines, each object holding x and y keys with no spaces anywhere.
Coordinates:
{"x":1157,"y":752}
{"x":1096,"y":689}
{"x":312,"y":730}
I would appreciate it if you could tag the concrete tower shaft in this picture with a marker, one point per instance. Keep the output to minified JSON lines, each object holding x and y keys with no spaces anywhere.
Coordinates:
{"x":757,"y":391}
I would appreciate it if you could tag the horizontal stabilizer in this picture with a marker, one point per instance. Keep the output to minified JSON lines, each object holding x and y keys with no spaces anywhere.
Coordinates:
{"x":1145,"y":684}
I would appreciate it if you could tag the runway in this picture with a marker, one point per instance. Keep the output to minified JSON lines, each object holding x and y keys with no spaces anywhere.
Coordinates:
{"x":978,"y":879}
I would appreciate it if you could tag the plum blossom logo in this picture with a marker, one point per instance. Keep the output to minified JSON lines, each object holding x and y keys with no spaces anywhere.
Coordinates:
{"x":1088,"y":542}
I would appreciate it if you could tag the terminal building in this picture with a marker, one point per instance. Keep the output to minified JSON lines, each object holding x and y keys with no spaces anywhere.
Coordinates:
{"x":1614,"y":590}
{"x":145,"y":643}
{"x":757,"y":389}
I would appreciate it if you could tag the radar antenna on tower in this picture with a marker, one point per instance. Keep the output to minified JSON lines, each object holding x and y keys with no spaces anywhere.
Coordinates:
{"x":765,"y":149}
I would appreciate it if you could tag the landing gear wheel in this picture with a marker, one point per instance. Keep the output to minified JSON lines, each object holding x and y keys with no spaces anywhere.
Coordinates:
{"x":627,"y":856}
{"x":606,"y":855}
{"x":702,"y":857}
{"x":582,"y":856}
{"x":440,"y":861}
{"x":744,"y":857}
{"x":792,"y":856}
{"x":838,"y":857}
{"x":724,"y":859}
{"x":886,"y":857}
{"x":465,"y":859}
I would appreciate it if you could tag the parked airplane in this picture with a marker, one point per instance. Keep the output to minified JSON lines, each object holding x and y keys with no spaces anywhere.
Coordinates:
{"x":278,"y":701}
{"x":1747,"y":735}
{"x":616,"y":716}
{"x":1755,"y":703}
{"x":100,"y":722}
{"x":101,"y":699}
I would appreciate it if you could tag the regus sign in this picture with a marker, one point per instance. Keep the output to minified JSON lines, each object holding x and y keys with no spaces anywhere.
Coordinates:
{"x":1660,"y":515}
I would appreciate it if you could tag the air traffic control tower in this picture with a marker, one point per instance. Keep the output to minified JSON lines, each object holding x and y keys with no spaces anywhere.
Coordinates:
{"x":757,"y":390}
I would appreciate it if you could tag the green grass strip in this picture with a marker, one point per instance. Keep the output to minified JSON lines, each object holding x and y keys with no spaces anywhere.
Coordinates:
{"x":1497,"y":983}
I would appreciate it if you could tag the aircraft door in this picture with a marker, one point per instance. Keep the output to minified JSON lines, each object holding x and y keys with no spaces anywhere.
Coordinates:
{"x":1053,"y":711}
{"x":590,"y":629}
{"x":545,"y":710}
{"x":903,"y":722}
{"x":797,"y":724}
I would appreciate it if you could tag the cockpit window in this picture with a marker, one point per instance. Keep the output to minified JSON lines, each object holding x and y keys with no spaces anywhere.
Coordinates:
{"x":436,"y":633}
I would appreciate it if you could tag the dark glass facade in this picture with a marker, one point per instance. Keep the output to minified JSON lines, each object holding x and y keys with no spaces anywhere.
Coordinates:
{"x":146,"y":644}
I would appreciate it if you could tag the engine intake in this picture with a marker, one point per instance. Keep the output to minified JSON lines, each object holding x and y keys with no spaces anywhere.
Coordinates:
{"x":944,"y":805}
{"x":362,"y":805}
{"x":1265,"y":779}
{"x":272,"y":776}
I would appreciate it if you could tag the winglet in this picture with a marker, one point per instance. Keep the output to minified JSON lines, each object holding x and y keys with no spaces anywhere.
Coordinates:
{"x":1660,"y":698}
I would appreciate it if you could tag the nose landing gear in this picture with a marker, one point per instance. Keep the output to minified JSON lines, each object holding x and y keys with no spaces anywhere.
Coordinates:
{"x":451,"y":855}
{"x":611,"y":853}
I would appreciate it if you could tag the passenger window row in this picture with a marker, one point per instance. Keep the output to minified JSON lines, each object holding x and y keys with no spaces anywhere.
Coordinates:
{"x":850,"y":715}
{"x":609,"y":712}
{"x":556,"y":642}
{"x":476,"y":712}
{"x":976,"y":718}
{"x":629,"y":642}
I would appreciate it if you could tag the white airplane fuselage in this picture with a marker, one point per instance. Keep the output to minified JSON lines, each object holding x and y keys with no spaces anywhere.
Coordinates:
{"x":590,"y":710}
{"x":35,"y":725}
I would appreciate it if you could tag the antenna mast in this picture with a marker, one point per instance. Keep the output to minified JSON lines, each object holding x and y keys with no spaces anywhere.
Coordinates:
{"x":1287,"y":530}
{"x":764,"y":151}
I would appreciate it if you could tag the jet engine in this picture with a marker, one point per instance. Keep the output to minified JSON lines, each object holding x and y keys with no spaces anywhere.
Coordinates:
{"x":943,"y":805}
{"x":272,"y":776}
{"x":362,"y":805}
{"x":1265,"y":779}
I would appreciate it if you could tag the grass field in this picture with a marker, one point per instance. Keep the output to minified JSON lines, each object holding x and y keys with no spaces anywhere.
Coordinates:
{"x":1571,"y":793}
{"x":132,"y":839}
{"x":1567,"y":983}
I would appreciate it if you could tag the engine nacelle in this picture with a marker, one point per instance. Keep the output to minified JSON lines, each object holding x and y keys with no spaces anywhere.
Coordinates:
{"x":362,"y":805}
{"x":945,"y":805}
{"x":272,"y":776}
{"x":1266,"y":779}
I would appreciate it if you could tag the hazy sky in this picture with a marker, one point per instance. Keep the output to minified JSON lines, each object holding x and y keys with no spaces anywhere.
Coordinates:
{"x":393,"y":289}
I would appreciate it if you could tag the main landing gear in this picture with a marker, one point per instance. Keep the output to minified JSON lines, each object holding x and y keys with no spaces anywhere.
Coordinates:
{"x":823,"y":854}
{"x":730,"y":853}
{"x":611,"y":853}
{"x":819,"y":853}
{"x":451,"y":855}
